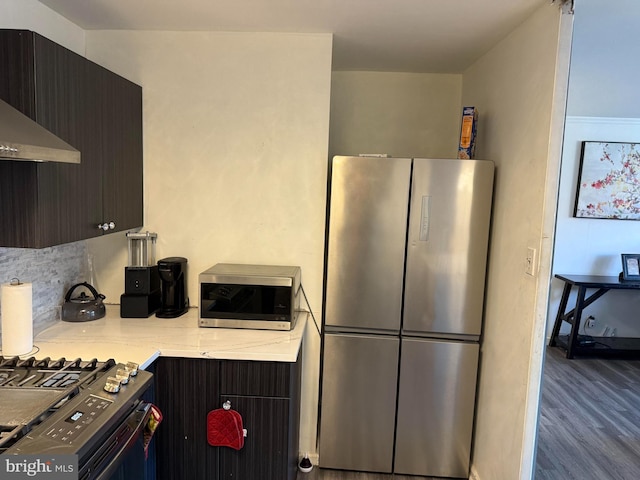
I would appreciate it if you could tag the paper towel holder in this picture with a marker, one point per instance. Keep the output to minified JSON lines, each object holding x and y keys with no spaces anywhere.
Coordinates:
{"x":17,"y":318}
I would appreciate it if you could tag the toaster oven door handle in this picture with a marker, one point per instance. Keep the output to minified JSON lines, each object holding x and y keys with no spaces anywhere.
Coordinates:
{"x":137,"y":420}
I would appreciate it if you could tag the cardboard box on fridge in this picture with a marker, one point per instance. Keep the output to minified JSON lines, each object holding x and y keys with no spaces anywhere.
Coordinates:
{"x":467,"y":147}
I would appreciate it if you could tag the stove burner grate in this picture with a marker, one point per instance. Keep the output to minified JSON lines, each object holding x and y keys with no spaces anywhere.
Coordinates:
{"x":32,"y":389}
{"x":60,"y":373}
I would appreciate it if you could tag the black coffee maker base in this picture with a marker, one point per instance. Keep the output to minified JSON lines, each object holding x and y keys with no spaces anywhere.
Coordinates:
{"x":139,"y":306}
{"x":171,"y":313}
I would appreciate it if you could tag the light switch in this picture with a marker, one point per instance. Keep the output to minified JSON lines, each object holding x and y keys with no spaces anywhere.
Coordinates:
{"x":530,"y":266}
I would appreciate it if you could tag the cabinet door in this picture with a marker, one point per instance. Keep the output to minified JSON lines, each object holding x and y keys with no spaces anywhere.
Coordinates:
{"x":121,"y":152}
{"x":186,"y":391}
{"x":70,"y":195}
{"x":264,"y":386}
{"x":264,"y":455}
{"x":111,"y":153}
{"x":104,"y":122}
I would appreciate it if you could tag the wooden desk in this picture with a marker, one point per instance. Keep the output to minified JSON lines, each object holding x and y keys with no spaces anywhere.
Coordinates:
{"x":598,"y":345}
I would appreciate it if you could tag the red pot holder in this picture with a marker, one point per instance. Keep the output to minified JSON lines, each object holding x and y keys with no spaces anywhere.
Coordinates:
{"x":224,"y":428}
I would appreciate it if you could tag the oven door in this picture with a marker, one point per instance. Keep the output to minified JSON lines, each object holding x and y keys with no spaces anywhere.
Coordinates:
{"x":123,"y":447}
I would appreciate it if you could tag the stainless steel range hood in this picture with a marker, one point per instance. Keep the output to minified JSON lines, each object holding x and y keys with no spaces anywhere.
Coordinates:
{"x":23,"y":139}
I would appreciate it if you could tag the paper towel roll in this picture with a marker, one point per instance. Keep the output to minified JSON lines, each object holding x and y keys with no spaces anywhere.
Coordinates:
{"x":17,"y":319}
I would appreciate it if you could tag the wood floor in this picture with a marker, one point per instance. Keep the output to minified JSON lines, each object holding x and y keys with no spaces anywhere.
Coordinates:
{"x":589,"y":423}
{"x":322,"y":474}
{"x":589,"y":419}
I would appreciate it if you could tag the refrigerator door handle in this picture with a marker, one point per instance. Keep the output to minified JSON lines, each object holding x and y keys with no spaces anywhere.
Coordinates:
{"x":454,"y":337}
{"x":425,"y":217}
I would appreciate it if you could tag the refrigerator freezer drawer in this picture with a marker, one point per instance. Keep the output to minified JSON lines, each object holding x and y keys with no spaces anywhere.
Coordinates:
{"x":359,"y":384}
{"x":436,"y":407}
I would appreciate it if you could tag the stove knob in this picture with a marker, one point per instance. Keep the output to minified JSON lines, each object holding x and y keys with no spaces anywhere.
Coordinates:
{"x":132,"y":368}
{"x":112,"y":385}
{"x":122,"y":375}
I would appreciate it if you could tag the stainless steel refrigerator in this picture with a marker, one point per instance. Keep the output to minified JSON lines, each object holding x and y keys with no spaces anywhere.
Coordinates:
{"x":405,"y":275}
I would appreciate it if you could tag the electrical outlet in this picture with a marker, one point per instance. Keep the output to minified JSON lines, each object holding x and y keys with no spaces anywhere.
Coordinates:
{"x":530,"y":266}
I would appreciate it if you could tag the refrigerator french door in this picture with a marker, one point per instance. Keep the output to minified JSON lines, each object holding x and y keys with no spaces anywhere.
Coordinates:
{"x":406,"y":263}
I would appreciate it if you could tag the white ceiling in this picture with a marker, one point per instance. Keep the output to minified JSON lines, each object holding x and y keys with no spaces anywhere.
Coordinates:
{"x":439,"y":36}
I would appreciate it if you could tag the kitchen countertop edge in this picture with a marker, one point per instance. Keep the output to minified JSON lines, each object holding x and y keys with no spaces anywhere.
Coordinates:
{"x":144,"y":340}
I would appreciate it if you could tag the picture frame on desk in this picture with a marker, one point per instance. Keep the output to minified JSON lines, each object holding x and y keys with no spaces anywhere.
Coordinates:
{"x":630,"y":267}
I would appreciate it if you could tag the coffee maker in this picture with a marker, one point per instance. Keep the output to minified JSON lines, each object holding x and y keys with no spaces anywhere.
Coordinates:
{"x":141,"y":296}
{"x":173,"y":285}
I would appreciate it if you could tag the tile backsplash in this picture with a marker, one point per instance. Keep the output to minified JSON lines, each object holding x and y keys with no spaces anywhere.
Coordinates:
{"x":52,"y":271}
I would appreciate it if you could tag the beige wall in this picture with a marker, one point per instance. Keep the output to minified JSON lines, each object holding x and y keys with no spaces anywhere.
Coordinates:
{"x":401,"y":114}
{"x":514,"y":87}
{"x":235,"y":157}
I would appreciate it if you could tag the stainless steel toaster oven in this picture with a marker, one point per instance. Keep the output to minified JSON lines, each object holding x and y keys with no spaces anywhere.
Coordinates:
{"x":250,"y":296}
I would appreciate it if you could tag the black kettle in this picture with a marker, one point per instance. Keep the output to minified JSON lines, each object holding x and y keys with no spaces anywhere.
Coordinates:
{"x":83,"y":308}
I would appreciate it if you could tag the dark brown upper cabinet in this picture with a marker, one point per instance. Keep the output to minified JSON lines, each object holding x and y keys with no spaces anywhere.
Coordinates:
{"x":96,"y":111}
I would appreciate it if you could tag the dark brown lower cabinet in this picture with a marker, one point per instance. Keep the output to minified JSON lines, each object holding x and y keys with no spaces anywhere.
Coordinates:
{"x":265,"y":449}
{"x":186,"y":389}
{"x":266,"y":394}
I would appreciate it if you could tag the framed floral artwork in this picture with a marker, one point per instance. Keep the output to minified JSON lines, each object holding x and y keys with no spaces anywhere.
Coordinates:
{"x":609,"y":181}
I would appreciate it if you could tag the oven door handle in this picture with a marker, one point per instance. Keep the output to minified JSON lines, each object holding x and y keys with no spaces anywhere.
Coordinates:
{"x":137,"y":420}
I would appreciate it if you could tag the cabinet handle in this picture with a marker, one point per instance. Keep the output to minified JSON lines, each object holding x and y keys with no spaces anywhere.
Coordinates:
{"x":107,"y":226}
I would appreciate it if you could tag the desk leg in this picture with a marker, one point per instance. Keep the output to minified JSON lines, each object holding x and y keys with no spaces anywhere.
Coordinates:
{"x":573,"y":336}
{"x":561,"y":309}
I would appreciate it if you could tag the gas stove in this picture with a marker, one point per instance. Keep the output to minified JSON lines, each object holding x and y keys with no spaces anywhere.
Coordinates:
{"x":92,"y":409}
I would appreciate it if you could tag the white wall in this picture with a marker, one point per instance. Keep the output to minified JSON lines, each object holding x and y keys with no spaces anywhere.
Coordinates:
{"x":32,"y":15}
{"x":401,"y":114}
{"x":604,"y":62}
{"x":593,"y":246}
{"x":236,"y":132}
{"x":514,"y":88}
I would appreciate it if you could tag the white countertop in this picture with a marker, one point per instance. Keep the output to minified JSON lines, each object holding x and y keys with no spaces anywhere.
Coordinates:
{"x":142,"y":340}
